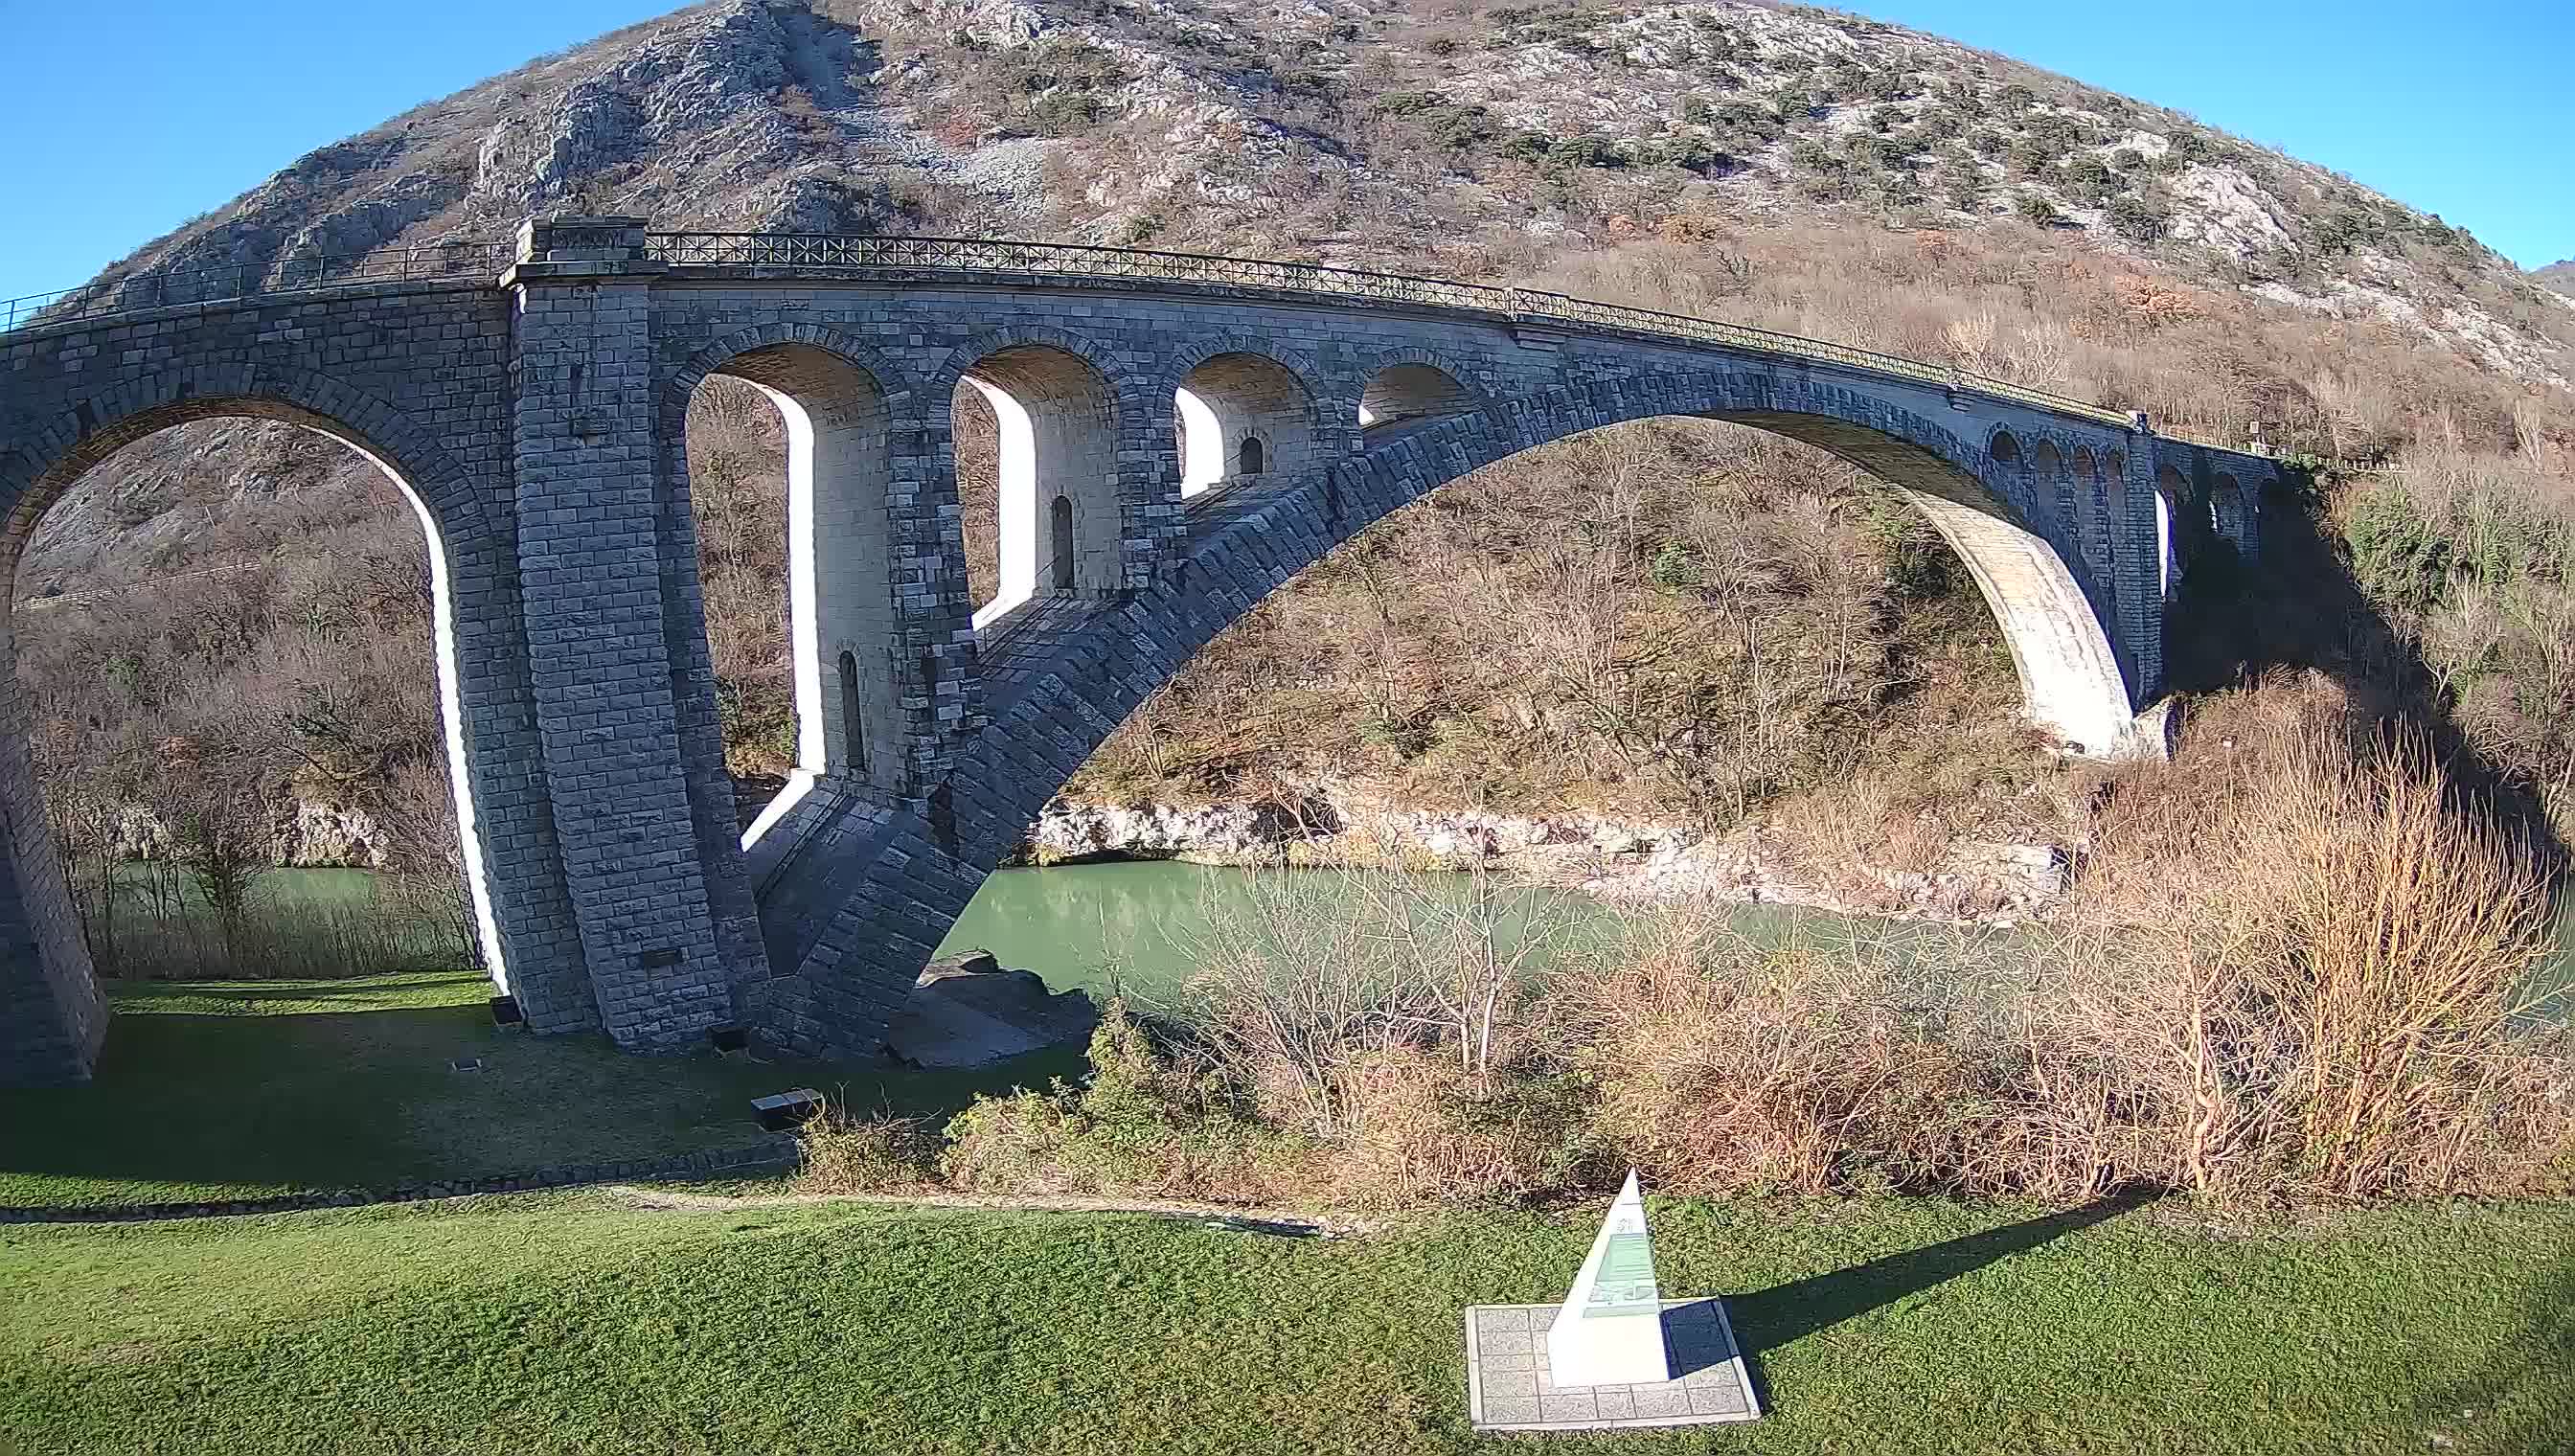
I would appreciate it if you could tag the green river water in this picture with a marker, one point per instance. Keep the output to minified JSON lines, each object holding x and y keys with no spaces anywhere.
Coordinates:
{"x":1145,"y":926}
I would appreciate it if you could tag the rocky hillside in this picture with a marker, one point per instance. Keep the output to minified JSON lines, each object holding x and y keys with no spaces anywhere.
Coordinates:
{"x":1451,"y":137}
{"x":2559,"y":275}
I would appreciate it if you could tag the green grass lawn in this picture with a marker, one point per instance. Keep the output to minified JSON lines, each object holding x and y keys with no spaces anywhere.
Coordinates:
{"x":233,"y":1090}
{"x":563,"y":1323}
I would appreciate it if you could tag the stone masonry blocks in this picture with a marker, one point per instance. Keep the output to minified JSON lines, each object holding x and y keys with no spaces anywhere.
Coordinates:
{"x":540,"y":426}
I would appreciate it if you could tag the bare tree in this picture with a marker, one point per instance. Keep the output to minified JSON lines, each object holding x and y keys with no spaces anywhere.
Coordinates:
{"x":424,"y":858}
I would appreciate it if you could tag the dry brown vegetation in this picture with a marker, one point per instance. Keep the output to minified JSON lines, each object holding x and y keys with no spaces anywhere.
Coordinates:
{"x":1675,"y":619}
{"x":176,"y":722}
{"x":2339,"y":1007}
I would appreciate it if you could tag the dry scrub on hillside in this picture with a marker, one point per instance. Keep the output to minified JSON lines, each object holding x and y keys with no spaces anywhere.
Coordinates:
{"x":1673,"y":620}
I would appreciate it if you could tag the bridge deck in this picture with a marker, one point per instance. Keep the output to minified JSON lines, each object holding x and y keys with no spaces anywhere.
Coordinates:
{"x":860,"y":257}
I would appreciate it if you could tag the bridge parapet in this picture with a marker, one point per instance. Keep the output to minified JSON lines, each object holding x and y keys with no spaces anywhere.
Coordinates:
{"x":872,"y":256}
{"x":627,"y":245}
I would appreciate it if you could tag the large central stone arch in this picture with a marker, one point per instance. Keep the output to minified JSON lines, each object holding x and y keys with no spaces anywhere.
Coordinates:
{"x":1052,"y":697}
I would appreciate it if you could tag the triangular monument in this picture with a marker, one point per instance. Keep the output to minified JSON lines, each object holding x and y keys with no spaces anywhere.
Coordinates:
{"x":1614,"y":1355}
{"x":1609,"y":1330}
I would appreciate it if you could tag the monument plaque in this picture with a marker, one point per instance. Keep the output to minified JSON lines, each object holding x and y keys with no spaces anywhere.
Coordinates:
{"x":1613,"y":1354}
{"x":1609,"y":1330}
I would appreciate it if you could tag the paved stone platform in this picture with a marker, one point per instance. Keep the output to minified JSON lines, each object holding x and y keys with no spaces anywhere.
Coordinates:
{"x":1507,"y":1388}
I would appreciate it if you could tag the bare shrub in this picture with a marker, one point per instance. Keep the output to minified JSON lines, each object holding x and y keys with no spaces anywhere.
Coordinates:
{"x":1292,"y":995}
{"x":1848,"y":840}
{"x":425,"y":859}
{"x":2340,"y":1003}
{"x":1421,"y":1130}
{"x":2393,"y":932}
{"x":1142,"y":1124}
{"x":844,"y":1153}
{"x":1725,"y":1066}
{"x":215,"y":794}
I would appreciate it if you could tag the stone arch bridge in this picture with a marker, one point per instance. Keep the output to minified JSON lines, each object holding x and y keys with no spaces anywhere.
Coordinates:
{"x":536,"y":421}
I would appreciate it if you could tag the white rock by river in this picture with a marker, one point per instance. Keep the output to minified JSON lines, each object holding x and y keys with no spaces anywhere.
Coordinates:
{"x":1979,"y":882}
{"x":304,"y":833}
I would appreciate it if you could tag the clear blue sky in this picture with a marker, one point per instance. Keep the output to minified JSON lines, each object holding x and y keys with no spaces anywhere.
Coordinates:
{"x":117,"y":122}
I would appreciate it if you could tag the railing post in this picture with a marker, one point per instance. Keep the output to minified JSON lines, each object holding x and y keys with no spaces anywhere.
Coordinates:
{"x":563,"y":239}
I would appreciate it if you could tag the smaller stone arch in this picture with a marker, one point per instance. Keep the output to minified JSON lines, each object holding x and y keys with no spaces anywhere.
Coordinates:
{"x":2172,"y":489}
{"x":845,"y":534}
{"x":1295,"y":360}
{"x":890,"y":380}
{"x":2004,"y":449}
{"x":1122,"y":379}
{"x":1241,"y":414}
{"x":2228,"y":517}
{"x":2048,"y":462}
{"x":2092,"y":531}
{"x":1406,"y":385}
{"x":1059,"y":420}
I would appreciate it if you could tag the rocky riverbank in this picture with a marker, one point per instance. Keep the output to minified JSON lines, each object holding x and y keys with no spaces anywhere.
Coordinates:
{"x":1638,"y":861}
{"x":303,"y":834}
{"x":1972,"y":882}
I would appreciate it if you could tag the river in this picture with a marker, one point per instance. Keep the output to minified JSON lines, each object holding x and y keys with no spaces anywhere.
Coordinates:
{"x":1146,"y":925}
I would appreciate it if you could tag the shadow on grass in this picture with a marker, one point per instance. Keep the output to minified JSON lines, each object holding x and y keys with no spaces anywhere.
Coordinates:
{"x":2524,"y":1399}
{"x":189,"y":1106}
{"x":1784,"y":1313}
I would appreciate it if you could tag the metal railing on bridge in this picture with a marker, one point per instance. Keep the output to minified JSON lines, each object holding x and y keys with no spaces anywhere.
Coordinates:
{"x":858,"y":255}
{"x":226,"y":283}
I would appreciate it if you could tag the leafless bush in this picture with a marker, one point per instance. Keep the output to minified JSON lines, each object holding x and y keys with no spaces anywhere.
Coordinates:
{"x":1291,"y":996}
{"x":846,"y":1154}
{"x":1726,"y":1067}
{"x":2343,"y":1008}
{"x":423,"y":860}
